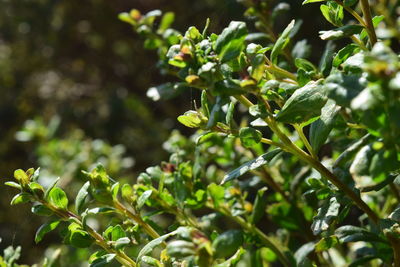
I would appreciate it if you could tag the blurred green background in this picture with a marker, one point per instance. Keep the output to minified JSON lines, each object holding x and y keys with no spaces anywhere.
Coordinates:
{"x":73,"y":82}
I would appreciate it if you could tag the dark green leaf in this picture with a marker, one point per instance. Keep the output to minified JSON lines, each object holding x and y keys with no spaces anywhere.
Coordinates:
{"x":344,"y":31}
{"x":320,"y":129}
{"x":227,"y":243}
{"x":303,"y":105}
{"x":104,"y":260}
{"x":249,"y":136}
{"x":326,"y":243}
{"x":143,"y":198}
{"x":326,"y":214}
{"x":343,"y":88}
{"x":81,"y":197}
{"x":251,"y":165}
{"x":41,"y":210}
{"x":302,"y":253}
{"x":44,"y":229}
{"x":231,"y":41}
{"x":259,"y":206}
{"x":349,"y":233}
{"x":344,"y":54}
{"x":281,"y":42}
{"x":149,"y":247}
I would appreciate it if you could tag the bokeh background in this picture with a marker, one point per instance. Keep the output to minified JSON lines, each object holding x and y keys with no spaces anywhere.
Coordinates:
{"x":73,"y":82}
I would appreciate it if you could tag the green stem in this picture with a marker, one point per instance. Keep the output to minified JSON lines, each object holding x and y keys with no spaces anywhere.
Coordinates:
{"x":282,"y":72}
{"x":147,"y":228}
{"x":368,"y":21}
{"x":270,"y":142}
{"x":120,"y":255}
{"x":270,"y":243}
{"x":303,"y":138}
{"x":292,"y":148}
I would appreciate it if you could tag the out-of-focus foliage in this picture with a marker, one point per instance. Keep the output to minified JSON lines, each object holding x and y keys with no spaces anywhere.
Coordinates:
{"x":295,"y":157}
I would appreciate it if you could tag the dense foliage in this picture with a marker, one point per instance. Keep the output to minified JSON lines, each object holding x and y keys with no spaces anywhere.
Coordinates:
{"x":293,"y":162}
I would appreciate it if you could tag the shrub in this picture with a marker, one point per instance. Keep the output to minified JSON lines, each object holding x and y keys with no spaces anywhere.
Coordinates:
{"x":292,"y":161}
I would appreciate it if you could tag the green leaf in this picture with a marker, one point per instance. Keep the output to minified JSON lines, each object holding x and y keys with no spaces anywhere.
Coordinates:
{"x":231,"y":41}
{"x":149,"y":247}
{"x":281,"y":42}
{"x":151,"y":261}
{"x":217,"y":193}
{"x":44,"y":229}
{"x":191,"y":118}
{"x":227,"y":243}
{"x":326,"y":243}
{"x":351,"y":151}
{"x":363,"y":260}
{"x":344,"y":54}
{"x":180,"y":249}
{"x":341,"y":32}
{"x":333,"y":12}
{"x":302,"y":253}
{"x":249,"y":136}
{"x":21,"y":176}
{"x":114,"y":190}
{"x":14,"y":185}
{"x":343,"y":88}
{"x":204,"y":104}
{"x":104,"y":260}
{"x":81,"y":197}
{"x":312,"y":1}
{"x":349,"y":233}
{"x":259,"y":206}
{"x":326,"y":214}
{"x":229,"y":115}
{"x":127,"y":192}
{"x":52,"y":185}
{"x":349,"y":3}
{"x":193,"y":34}
{"x":21,"y":198}
{"x":58,"y":198}
{"x":166,"y":21}
{"x":143,"y":198}
{"x":251,"y":165}
{"x":325,"y":64}
{"x":320,"y":129}
{"x":122,"y":242}
{"x":305,"y":104}
{"x":77,"y":237}
{"x":117,"y":232}
{"x":41,"y":210}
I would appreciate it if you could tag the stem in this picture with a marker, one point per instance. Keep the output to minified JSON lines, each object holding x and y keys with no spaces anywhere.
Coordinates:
{"x":396,"y":248}
{"x":254,"y":230}
{"x":353,"y":13}
{"x":292,"y":148}
{"x":270,"y":142}
{"x":368,"y":21}
{"x":147,"y":228}
{"x":120,"y":255}
{"x":305,"y":141}
{"x":281,"y":72}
